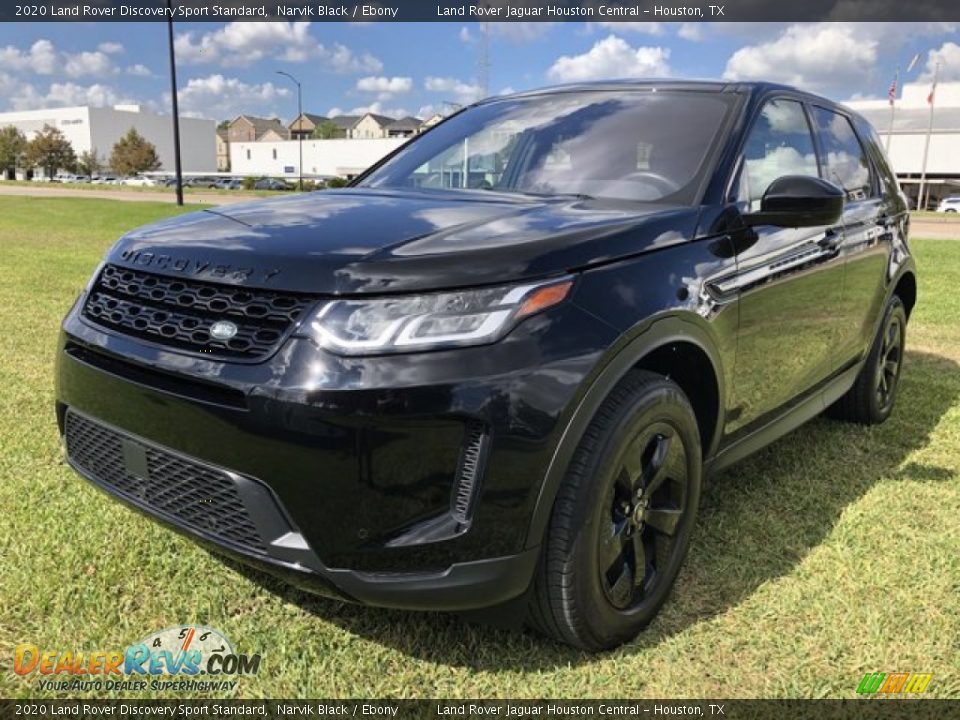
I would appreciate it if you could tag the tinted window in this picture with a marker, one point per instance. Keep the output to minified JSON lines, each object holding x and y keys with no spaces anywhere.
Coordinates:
{"x":779,"y":143}
{"x":844,"y":161}
{"x":881,"y":163}
{"x":644,"y":146}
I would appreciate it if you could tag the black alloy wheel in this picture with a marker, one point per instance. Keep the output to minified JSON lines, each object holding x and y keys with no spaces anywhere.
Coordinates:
{"x":874,"y":392}
{"x":623,"y":517}
{"x":890,"y":361}
{"x":645,"y":505}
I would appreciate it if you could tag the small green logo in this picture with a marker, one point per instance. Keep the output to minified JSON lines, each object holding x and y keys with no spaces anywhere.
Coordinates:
{"x":893,"y":683}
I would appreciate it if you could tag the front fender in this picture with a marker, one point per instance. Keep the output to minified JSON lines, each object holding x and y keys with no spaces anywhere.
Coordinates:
{"x":655,"y":333}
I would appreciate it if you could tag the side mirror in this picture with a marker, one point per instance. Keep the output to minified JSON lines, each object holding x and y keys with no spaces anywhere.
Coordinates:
{"x":798,"y":201}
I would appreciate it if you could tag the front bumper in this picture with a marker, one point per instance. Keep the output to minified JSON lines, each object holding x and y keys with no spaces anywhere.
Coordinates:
{"x":351,"y":467}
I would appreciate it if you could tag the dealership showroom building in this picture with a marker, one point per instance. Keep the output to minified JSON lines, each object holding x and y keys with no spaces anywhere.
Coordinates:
{"x":913,"y":119}
{"x":90,"y":128}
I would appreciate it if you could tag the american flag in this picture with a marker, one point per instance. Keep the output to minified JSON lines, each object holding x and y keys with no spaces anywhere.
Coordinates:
{"x":892,"y":92}
{"x":933,"y":90}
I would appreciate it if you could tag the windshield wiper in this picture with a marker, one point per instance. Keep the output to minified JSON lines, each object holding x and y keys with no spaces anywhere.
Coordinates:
{"x":533,"y":193}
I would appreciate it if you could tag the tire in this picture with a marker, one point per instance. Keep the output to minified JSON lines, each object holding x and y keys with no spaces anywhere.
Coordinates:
{"x":874,"y":393}
{"x":634,"y":478}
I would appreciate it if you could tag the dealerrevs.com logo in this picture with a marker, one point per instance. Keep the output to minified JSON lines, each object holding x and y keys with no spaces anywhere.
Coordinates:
{"x":187,"y":658}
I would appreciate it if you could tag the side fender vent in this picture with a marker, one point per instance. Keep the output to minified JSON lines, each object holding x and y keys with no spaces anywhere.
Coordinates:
{"x":473,"y":458}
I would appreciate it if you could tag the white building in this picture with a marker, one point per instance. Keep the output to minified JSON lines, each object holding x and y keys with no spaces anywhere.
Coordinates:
{"x":99,"y":128}
{"x":905,"y":144}
{"x":321,"y":158}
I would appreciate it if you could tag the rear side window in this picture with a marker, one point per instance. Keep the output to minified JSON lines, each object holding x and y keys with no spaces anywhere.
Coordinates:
{"x":844,"y":160}
{"x":780,"y":143}
{"x":881,"y":164}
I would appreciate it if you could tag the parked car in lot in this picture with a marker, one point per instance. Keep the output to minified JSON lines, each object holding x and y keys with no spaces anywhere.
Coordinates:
{"x":271,"y":184}
{"x":499,"y":380}
{"x":228,"y":184}
{"x":139,"y":181}
{"x":200,"y":182}
{"x":950,"y":204}
{"x":103,"y":180}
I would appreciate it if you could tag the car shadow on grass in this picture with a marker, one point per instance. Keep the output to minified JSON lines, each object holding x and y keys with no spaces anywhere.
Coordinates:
{"x":757,"y":521}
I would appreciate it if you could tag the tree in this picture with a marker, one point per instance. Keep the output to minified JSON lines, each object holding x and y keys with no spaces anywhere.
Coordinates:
{"x":326,"y":130}
{"x":89,"y":163}
{"x":133,"y":154}
{"x":223,"y":125}
{"x":12,"y":144}
{"x":51,"y":151}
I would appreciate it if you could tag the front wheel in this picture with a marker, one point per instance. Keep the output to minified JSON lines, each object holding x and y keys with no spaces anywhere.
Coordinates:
{"x":622,"y":519}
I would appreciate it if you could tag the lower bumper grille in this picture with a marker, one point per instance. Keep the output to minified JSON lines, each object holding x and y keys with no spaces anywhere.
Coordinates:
{"x":197,"y":496}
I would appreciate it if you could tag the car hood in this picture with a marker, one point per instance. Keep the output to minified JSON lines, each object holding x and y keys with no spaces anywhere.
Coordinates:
{"x":366,"y":241}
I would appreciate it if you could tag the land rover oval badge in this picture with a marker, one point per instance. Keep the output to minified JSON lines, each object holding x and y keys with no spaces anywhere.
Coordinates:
{"x":223,"y":330}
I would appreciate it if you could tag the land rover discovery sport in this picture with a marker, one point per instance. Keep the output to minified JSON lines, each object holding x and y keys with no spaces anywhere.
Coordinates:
{"x":497,"y":368}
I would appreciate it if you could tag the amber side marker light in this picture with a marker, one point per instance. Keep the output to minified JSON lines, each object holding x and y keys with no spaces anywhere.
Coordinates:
{"x":544,"y":298}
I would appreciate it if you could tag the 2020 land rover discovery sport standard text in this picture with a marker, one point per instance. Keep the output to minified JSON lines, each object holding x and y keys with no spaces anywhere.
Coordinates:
{"x":498,"y":367}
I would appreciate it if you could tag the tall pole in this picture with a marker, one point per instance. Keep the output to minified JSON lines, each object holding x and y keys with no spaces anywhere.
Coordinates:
{"x":484,"y":62}
{"x":299,"y":121}
{"x":300,"y":134}
{"x":921,"y":202}
{"x":893,"y":106}
{"x":176,"y":105}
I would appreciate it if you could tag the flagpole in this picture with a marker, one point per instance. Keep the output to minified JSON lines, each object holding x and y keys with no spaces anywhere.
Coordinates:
{"x":921,"y":202}
{"x":893,"y":107}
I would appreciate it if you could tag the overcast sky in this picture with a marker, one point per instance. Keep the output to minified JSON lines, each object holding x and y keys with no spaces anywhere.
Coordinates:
{"x":414,"y":68}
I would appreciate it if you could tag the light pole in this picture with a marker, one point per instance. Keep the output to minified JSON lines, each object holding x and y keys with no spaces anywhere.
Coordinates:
{"x":931,"y":100}
{"x":176,"y":105}
{"x":299,"y":121}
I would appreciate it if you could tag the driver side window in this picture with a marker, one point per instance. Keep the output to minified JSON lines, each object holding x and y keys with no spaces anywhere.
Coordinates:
{"x":779,"y":143}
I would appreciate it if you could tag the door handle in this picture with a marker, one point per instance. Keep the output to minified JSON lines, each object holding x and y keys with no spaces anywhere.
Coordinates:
{"x":830,"y":240}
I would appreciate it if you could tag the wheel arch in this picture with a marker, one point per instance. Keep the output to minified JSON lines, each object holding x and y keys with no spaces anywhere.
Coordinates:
{"x":688,"y":364}
{"x":675,"y":346}
{"x":906,"y":289}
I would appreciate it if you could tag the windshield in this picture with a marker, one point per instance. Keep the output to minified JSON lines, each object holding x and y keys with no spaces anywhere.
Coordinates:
{"x":630,"y":145}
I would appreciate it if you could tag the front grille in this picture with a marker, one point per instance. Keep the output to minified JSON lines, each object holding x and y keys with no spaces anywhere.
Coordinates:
{"x":195,"y":495}
{"x":178,"y":312}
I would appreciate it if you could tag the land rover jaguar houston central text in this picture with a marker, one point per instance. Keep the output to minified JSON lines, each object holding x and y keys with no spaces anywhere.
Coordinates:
{"x":493,"y":373}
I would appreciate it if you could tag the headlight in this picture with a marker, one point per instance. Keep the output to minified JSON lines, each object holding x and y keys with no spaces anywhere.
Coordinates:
{"x":426,"y":322}
{"x":93,"y":278}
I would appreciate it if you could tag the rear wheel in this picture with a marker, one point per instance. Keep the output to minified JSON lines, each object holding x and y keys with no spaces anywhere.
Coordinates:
{"x":622,"y":520}
{"x":871,"y":399}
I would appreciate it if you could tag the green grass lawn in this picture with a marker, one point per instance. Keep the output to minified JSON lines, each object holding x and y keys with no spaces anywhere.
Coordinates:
{"x":934,"y":215}
{"x":833,"y":553}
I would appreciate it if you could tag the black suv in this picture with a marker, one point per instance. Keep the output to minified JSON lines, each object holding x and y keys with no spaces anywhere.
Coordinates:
{"x":497,"y":368}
